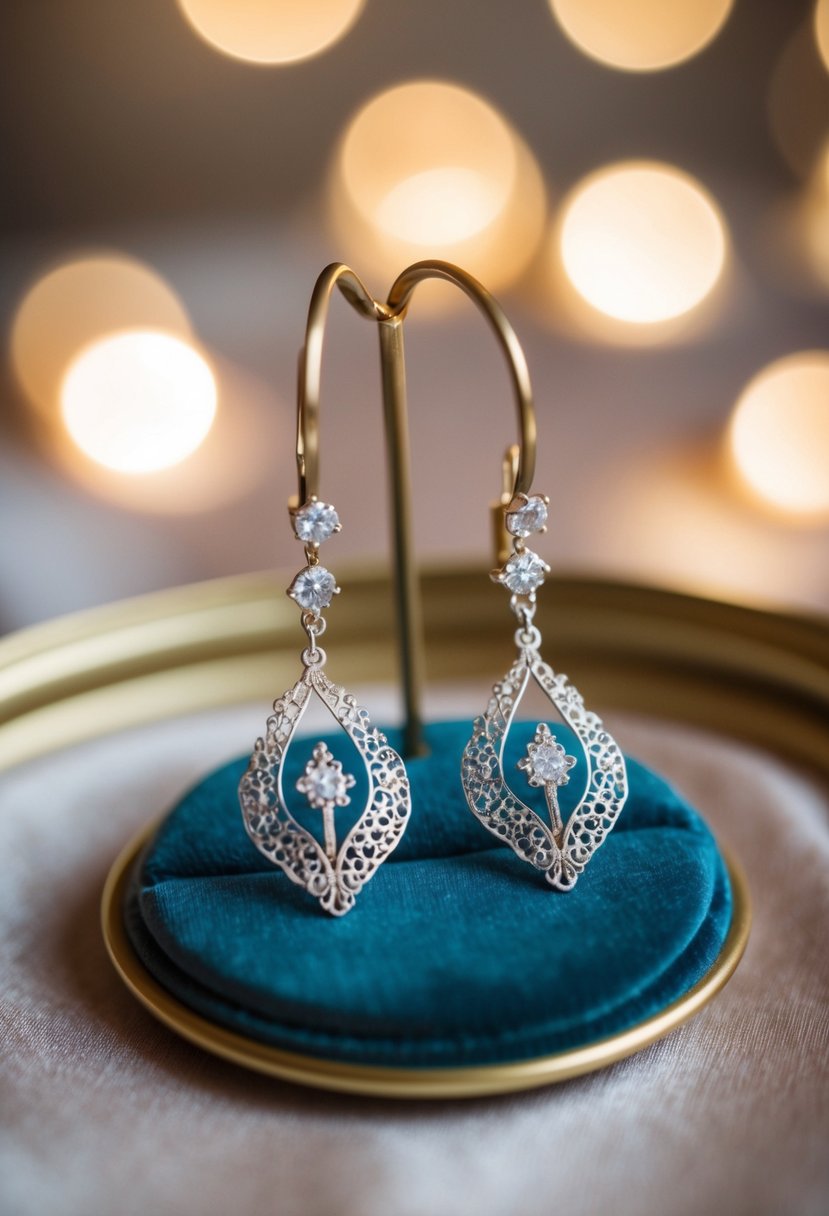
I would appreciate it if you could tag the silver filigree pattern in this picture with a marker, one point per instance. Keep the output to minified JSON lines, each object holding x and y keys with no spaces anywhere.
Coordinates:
{"x":560,"y":851}
{"x":335,"y":879}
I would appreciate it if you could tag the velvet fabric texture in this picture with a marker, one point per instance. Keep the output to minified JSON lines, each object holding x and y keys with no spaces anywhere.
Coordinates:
{"x":456,"y":953}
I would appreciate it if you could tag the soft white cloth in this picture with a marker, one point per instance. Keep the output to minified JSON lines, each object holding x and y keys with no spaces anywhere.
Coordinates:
{"x":105,"y":1111}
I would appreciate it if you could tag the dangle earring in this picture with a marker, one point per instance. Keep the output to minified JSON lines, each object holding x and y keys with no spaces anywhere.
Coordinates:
{"x":559,"y":850}
{"x":333,"y":874}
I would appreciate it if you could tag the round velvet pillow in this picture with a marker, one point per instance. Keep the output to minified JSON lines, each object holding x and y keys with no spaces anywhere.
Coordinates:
{"x":456,"y":953}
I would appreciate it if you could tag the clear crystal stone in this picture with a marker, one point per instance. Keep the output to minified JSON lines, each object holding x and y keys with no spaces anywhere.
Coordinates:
{"x":530,"y":517}
{"x":324,"y":783}
{"x":548,"y":762}
{"x":327,"y":784}
{"x":524,"y":572}
{"x":315,"y":522}
{"x":313,"y":588}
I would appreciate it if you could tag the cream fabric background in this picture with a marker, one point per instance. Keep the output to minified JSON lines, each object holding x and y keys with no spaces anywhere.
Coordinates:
{"x":105,"y":1111}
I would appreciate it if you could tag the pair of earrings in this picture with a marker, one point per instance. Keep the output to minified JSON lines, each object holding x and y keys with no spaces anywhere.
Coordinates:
{"x":335,"y":873}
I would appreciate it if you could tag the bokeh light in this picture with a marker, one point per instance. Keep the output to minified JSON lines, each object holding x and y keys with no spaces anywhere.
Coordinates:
{"x":641,"y":35}
{"x":641,"y":242}
{"x":231,"y":465}
{"x":138,"y":401}
{"x":822,"y":30}
{"x":779,"y":434}
{"x":440,"y":206}
{"x":437,"y":132}
{"x":811,"y":217}
{"x":271,"y":31}
{"x":431,"y":169}
{"x":77,"y":302}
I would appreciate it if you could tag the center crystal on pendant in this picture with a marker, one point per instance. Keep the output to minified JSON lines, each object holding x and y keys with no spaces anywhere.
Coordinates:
{"x":546,"y":762}
{"x":324,"y":783}
{"x":326,"y":786}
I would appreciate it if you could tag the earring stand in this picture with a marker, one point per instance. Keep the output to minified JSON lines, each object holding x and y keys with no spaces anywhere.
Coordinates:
{"x":518,"y":464}
{"x":233,"y":988}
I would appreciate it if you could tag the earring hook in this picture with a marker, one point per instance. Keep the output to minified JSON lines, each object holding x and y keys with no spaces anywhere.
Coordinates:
{"x":337,"y":274}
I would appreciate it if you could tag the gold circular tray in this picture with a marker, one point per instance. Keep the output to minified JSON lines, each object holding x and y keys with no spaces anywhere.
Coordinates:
{"x":759,"y":676}
{"x":399,"y":1082}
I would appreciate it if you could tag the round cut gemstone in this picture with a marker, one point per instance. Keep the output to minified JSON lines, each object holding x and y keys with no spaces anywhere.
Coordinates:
{"x":315,"y":522}
{"x":313,"y":588}
{"x":326,"y":784}
{"x":546,"y":762}
{"x":549,"y":762}
{"x":530,"y":517}
{"x":524,"y":572}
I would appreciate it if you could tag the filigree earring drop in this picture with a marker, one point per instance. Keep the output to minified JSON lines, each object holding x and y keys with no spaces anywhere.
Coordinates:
{"x":559,"y":850}
{"x":333,"y":873}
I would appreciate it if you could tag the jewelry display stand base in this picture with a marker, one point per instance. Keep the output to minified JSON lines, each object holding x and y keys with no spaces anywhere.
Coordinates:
{"x":459,"y":972}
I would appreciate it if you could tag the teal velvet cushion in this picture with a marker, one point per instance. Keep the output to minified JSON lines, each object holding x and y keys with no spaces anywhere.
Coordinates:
{"x":456,"y":953}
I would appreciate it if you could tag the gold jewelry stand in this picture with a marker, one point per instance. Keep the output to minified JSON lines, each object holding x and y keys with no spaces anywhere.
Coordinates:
{"x":519,"y":459}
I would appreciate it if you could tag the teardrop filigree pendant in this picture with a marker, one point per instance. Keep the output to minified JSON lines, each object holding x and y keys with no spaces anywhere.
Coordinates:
{"x":561,"y":851}
{"x":333,"y":875}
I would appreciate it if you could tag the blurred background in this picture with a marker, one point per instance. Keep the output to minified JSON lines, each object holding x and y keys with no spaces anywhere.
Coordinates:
{"x":643,"y":184}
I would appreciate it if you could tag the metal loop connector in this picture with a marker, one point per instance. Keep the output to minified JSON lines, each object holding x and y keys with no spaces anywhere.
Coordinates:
{"x":313,"y":656}
{"x":314,"y":626}
{"x":523,"y":609}
{"x":528,"y":638}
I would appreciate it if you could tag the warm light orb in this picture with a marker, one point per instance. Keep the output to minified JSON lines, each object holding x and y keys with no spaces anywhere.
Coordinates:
{"x":138,"y":401}
{"x":642,"y":242}
{"x":271,"y":31}
{"x":812,"y":218}
{"x":779,"y":435}
{"x":641,"y":35}
{"x":439,"y":206}
{"x":430,"y":163}
{"x":77,"y":302}
{"x":429,"y":168}
{"x":822,"y":30}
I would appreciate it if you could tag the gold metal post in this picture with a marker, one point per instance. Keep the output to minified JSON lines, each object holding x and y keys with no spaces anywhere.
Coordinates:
{"x":407,"y":586}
